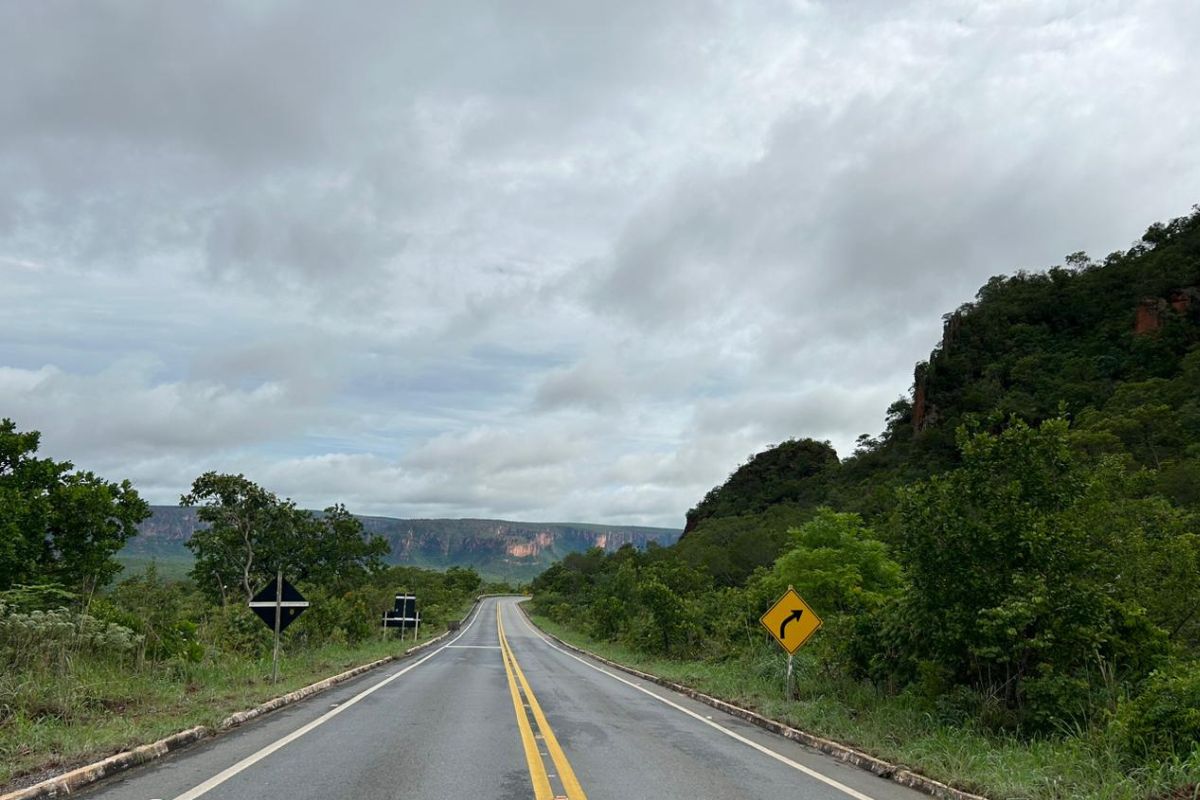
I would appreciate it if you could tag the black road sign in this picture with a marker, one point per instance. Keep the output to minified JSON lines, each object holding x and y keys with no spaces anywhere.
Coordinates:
{"x":291,"y":605}
{"x":404,"y":613}
{"x":406,"y":606}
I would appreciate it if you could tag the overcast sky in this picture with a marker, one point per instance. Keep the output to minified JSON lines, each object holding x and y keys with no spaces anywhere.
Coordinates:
{"x":541,"y":260}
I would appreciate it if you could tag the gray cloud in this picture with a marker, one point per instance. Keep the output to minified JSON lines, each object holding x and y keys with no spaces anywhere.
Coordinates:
{"x":538,"y":259}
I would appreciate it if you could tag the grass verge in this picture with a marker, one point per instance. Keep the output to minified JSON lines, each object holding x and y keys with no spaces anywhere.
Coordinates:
{"x":902,"y":729}
{"x":98,"y":709}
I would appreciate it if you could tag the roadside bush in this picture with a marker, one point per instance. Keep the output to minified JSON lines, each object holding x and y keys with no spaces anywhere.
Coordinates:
{"x":1012,"y":578}
{"x":51,"y":640}
{"x":1164,"y":720}
{"x":608,"y":616}
{"x":340,"y":618}
{"x":837,"y":564}
{"x":38,"y":597}
{"x":234,"y":629}
{"x":161,"y":612}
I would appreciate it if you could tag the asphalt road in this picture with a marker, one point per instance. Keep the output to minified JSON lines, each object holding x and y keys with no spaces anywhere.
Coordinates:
{"x":498,"y":716}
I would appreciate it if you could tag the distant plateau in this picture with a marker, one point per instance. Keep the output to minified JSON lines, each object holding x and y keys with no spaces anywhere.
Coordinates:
{"x":495,"y":548}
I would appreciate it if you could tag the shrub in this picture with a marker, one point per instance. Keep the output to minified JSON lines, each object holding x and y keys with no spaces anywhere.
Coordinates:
{"x":52,"y":639}
{"x":1164,"y":720}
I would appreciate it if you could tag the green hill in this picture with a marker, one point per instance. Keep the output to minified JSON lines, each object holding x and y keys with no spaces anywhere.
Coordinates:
{"x":1018,"y":552}
{"x":1111,"y":344}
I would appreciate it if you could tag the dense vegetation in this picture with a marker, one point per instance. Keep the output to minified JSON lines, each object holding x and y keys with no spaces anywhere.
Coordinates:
{"x":1017,"y":555}
{"x":88,"y":667}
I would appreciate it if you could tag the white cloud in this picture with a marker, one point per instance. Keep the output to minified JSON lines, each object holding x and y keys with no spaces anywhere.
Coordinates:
{"x":542,"y":260}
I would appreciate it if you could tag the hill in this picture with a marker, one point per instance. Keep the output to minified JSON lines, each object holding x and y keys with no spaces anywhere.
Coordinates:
{"x":1017,"y":552}
{"x":495,"y":548}
{"x":1110,"y":344}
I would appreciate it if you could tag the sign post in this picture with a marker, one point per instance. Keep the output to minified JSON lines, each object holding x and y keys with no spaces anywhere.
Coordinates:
{"x":278,"y":604}
{"x":791,"y":622}
{"x":279,"y":608}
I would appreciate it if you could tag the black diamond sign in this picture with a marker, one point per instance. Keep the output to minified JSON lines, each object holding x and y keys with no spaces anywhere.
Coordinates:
{"x":291,"y":605}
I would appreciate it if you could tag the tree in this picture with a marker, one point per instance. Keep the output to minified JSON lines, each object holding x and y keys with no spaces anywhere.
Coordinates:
{"x":243,"y":542}
{"x":58,"y":525}
{"x":1014,"y":588}
{"x":836,"y":564}
{"x":251,"y":534}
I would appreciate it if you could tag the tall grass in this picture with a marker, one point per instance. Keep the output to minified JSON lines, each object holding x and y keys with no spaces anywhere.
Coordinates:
{"x":1084,"y":764}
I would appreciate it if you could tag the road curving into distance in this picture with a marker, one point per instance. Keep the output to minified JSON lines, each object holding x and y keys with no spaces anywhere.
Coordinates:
{"x":498,"y":713}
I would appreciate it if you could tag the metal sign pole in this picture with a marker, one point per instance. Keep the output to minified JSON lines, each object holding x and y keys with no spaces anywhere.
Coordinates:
{"x":278,"y":612}
{"x":787,"y":684}
{"x":417,"y":630}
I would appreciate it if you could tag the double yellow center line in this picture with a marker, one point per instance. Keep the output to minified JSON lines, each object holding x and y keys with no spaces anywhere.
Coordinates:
{"x":533,"y":754}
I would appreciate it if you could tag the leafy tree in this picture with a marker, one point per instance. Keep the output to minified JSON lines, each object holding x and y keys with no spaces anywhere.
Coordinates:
{"x":247,"y":538}
{"x":337,"y":550}
{"x":58,"y":525}
{"x":836,"y":564}
{"x":1011,"y":588}
{"x":251,"y":534}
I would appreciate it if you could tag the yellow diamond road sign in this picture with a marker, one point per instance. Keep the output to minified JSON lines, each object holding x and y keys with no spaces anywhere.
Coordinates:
{"x":791,"y":621}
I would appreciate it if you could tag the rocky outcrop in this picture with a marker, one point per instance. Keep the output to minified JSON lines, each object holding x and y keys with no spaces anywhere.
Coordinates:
{"x":1153,"y":312}
{"x":920,"y":405}
{"x":1148,"y":317}
{"x":924,"y":413}
{"x":492,"y":546}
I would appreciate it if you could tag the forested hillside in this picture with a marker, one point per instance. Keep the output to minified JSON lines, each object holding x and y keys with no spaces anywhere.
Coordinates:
{"x":1108,"y":345}
{"x":1016,"y":554}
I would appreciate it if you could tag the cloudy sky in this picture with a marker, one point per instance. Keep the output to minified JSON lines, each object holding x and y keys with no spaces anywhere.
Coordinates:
{"x":541,"y":260}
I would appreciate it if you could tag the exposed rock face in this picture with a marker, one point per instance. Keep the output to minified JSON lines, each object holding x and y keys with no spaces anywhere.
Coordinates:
{"x":1149,"y":316}
{"x":919,"y":415}
{"x":520,"y":549}
{"x":924,"y":413}
{"x":1152,"y":311}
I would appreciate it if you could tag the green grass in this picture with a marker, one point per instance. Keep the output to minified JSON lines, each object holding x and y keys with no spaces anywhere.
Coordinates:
{"x":98,"y":708}
{"x":902,"y":730}
{"x":169,"y":568}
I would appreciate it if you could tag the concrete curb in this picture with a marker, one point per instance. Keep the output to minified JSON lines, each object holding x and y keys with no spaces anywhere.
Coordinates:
{"x":80,"y":777}
{"x":883,"y":769}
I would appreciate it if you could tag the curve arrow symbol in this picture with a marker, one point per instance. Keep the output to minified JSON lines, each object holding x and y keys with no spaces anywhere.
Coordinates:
{"x":795,"y":615}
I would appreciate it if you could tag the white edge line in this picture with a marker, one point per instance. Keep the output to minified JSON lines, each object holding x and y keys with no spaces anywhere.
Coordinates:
{"x":254,"y":758}
{"x":764,"y":750}
{"x":473,"y":646}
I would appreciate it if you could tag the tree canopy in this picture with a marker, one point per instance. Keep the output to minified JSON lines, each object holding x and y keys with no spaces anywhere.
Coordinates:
{"x":251,"y":533}
{"x":58,"y":524}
